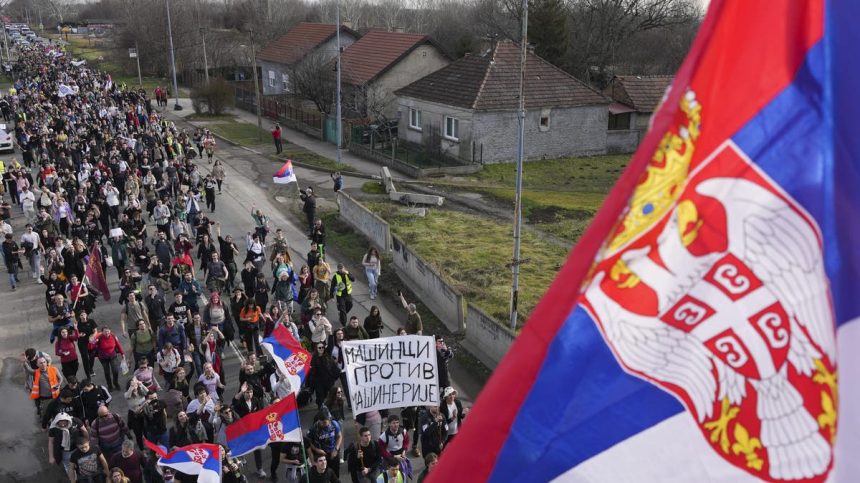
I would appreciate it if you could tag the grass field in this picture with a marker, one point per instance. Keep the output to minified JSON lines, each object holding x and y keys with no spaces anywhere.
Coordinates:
{"x":559,"y":196}
{"x":99,"y":54}
{"x":239,"y":132}
{"x":474,"y":251}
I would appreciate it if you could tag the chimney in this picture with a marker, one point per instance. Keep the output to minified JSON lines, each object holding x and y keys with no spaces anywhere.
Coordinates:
{"x":399,"y":29}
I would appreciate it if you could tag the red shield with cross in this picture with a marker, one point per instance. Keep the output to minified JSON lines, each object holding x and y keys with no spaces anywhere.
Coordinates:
{"x":295,"y":363}
{"x":714,"y":289}
{"x":198,"y":455}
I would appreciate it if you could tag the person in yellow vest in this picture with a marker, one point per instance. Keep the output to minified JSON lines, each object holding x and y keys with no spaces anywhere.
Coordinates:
{"x":341,"y":288}
{"x":12,"y":91}
{"x":2,"y":172}
{"x":46,"y":383}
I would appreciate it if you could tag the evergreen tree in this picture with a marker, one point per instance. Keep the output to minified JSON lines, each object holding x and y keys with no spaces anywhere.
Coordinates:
{"x":548,"y":29}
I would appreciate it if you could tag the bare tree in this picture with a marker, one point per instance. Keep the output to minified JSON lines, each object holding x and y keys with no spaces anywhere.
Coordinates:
{"x":312,"y":79}
{"x":601,"y":27}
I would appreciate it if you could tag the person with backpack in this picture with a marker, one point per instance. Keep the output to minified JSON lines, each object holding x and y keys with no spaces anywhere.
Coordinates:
{"x":394,"y":444}
{"x":108,"y":432}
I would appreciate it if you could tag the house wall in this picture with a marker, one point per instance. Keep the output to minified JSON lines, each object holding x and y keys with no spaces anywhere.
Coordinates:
{"x":279,"y":70}
{"x":422,"y":61}
{"x":328,"y":49}
{"x":577,"y":131}
{"x":433,"y":126}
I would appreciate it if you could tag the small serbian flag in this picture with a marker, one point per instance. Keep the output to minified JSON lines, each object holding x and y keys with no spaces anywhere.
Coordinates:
{"x":274,"y":424}
{"x":291,"y":358}
{"x":203,"y":460}
{"x":285,"y":174}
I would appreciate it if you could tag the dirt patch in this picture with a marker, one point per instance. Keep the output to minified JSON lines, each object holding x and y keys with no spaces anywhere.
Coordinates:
{"x":552,"y":214}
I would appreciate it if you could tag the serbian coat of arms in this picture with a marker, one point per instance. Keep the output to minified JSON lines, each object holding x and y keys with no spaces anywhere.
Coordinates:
{"x":712,"y":287}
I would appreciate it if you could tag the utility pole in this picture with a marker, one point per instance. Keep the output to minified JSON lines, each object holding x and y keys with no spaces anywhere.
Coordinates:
{"x":137,"y":59}
{"x":518,"y":200}
{"x":176,"y":106}
{"x":205,"y":60}
{"x":256,"y":86}
{"x":337,"y":94}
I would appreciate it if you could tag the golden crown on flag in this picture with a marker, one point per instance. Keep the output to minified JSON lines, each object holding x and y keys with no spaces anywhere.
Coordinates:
{"x":664,"y":179}
{"x":272,"y":417}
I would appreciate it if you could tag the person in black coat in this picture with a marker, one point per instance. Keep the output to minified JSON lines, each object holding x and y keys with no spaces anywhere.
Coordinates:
{"x":244,"y":403}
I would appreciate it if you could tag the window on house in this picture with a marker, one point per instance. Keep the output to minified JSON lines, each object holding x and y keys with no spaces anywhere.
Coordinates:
{"x":544,"y":119}
{"x":271,"y":78}
{"x":415,"y":119}
{"x":285,"y":82}
{"x":619,"y":122}
{"x":452,"y":128}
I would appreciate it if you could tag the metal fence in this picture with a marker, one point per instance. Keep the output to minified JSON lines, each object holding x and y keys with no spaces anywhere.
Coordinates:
{"x":279,"y":109}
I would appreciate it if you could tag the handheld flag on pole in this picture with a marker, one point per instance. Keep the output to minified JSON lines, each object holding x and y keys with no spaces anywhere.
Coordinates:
{"x":276,"y":423}
{"x":692,"y":333}
{"x":290,"y":357}
{"x":203,"y":460}
{"x":285,"y":174}
{"x":94,"y":272}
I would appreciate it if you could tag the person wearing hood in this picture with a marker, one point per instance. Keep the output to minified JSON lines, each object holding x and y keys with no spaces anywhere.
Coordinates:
{"x":63,"y":433}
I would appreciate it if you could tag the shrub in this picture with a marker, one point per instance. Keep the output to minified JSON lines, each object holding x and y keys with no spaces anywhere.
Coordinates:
{"x":214,"y":97}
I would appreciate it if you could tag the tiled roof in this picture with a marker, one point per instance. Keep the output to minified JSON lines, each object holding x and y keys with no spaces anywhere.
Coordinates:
{"x":641,"y":92}
{"x":298,"y":42}
{"x":491,"y":82}
{"x":375,"y":53}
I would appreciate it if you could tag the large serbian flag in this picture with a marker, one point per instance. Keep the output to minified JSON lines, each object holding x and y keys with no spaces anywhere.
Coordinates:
{"x":203,"y":460}
{"x":276,"y":423}
{"x":94,"y":272}
{"x":293,"y":361}
{"x":693,"y":333}
{"x":286,"y":174}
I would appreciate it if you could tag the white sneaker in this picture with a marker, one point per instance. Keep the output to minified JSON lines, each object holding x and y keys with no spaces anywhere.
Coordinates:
{"x":260,"y":473}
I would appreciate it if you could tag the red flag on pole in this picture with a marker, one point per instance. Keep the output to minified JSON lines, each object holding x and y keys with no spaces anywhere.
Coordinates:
{"x":95,"y":274}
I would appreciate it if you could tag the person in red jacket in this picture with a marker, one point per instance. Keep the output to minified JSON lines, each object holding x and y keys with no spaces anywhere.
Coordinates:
{"x":276,"y":137}
{"x":66,"y":348}
{"x":110,"y":354}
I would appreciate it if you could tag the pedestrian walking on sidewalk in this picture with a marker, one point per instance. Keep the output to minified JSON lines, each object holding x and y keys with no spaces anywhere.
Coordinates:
{"x":218,"y":173}
{"x":277,"y":135}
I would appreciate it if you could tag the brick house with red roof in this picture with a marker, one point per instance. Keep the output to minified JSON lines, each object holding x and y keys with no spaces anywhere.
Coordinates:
{"x":634,"y":100}
{"x":284,"y":55}
{"x":381,"y":62}
{"x":469,"y":109}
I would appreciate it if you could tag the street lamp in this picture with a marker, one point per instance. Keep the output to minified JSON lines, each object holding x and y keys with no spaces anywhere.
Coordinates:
{"x":205,"y":60}
{"x":518,"y":198}
{"x":256,"y":85}
{"x":176,"y":106}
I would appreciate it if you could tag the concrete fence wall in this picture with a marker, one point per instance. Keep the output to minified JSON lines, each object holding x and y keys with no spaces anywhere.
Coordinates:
{"x":486,"y":338}
{"x":442,"y":299}
{"x":619,"y":142}
{"x":365,"y":221}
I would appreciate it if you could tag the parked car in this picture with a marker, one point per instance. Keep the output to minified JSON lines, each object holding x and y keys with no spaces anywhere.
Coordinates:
{"x":7,"y":141}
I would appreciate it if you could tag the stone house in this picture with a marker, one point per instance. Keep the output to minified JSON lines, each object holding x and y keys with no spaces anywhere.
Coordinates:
{"x":468,"y":110}
{"x":283,"y":56}
{"x":634,"y":100}
{"x":378,"y":64}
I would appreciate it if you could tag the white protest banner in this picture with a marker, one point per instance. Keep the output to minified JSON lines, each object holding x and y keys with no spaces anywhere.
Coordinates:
{"x":391,"y":372}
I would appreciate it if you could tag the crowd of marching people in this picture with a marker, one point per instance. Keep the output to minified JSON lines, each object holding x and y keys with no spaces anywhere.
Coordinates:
{"x":105,"y":183}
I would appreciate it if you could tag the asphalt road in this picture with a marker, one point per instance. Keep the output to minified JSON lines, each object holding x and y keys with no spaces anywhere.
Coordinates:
{"x":23,"y":445}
